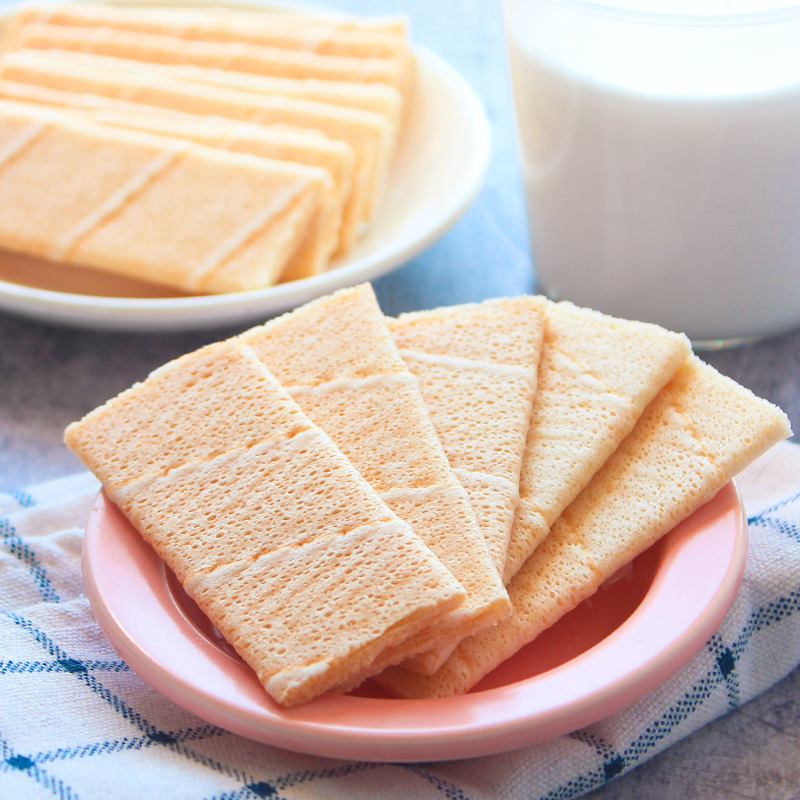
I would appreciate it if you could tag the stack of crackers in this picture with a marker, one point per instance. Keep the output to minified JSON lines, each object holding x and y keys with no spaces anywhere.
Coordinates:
{"x":415,"y":499}
{"x":206,"y":150}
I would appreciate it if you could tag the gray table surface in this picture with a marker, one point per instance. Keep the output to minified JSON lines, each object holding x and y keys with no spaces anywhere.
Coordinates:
{"x":50,"y":376}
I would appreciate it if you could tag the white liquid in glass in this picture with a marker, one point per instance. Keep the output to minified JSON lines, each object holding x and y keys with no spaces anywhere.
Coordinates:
{"x":661,"y":159}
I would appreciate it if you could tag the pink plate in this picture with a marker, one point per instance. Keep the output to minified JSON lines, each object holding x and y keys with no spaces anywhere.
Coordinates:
{"x":635,"y":632}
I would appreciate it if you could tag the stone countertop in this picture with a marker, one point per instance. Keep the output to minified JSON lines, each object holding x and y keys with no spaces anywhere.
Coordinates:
{"x":50,"y":376}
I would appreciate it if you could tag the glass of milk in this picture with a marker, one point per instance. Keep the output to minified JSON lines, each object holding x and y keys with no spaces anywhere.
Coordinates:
{"x":660,"y":151}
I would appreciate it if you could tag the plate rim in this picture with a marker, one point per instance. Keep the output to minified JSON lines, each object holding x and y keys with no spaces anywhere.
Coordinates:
{"x":296,"y":729}
{"x":187,"y":313}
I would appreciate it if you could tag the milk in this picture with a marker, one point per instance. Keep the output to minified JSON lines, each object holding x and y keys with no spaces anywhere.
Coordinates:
{"x":661,"y":160}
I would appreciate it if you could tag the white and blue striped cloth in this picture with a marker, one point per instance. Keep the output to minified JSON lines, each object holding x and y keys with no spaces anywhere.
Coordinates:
{"x":75,"y":722}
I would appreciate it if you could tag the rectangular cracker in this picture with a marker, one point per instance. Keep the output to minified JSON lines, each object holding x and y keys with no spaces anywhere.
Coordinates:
{"x":698,"y":433}
{"x":596,"y":376}
{"x":337,"y":359}
{"x":202,"y":457}
{"x":477,"y":367}
{"x":267,"y":141}
{"x":321,"y":238}
{"x":225,"y":25}
{"x":367,"y":133}
{"x":235,"y":54}
{"x":158,"y":209}
{"x":108,"y":49}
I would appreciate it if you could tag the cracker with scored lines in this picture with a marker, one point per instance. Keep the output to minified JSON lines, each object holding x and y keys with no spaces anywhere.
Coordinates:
{"x":342,"y":35}
{"x":322,"y":235}
{"x":697,"y":434}
{"x":238,"y":57}
{"x":269,"y":528}
{"x":346,"y":37}
{"x":368,"y":133}
{"x":267,"y":141}
{"x":379,"y":98}
{"x":159,"y":209}
{"x":477,"y":367}
{"x":337,"y":359}
{"x":597,"y":373}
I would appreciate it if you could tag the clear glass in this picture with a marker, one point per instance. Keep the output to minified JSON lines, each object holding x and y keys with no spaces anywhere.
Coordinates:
{"x":660,"y":153}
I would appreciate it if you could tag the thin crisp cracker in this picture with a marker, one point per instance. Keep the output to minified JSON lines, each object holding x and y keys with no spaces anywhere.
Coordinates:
{"x":110,"y":50}
{"x":202,"y":458}
{"x":322,"y":235}
{"x":267,"y":141}
{"x":694,"y":437}
{"x":337,"y":359}
{"x":477,"y":367}
{"x":227,"y":25}
{"x":367,"y":133}
{"x":373,"y":48}
{"x":155,"y":208}
{"x":596,"y":375}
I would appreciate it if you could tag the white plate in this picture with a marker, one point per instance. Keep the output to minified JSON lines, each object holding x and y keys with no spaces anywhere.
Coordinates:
{"x":438,"y":170}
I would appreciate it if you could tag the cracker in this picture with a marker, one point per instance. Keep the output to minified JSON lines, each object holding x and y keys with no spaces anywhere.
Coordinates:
{"x":84,"y":47}
{"x":367,"y":133}
{"x":697,"y":434}
{"x":596,"y":375}
{"x":477,"y":368}
{"x":202,"y":457}
{"x":338,"y":361}
{"x":321,"y":238}
{"x":226,"y":25}
{"x":385,"y":51}
{"x":268,"y":141}
{"x":158,"y":209}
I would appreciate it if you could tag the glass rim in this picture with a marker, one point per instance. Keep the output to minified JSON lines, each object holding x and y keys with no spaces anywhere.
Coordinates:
{"x":730,"y":19}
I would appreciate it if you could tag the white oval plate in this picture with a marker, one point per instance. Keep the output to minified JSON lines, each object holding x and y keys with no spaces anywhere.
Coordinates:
{"x":438,"y":170}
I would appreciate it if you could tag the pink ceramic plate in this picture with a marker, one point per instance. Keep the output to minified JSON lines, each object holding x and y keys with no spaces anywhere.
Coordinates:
{"x":618,"y":645}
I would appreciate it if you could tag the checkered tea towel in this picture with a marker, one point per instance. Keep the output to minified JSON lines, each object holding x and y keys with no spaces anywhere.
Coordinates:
{"x":75,"y":722}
